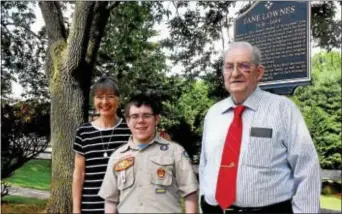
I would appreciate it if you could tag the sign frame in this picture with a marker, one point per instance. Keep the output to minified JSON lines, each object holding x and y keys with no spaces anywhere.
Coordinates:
{"x":286,"y":85}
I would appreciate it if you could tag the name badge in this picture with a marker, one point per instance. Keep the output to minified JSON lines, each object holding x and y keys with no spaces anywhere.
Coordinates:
{"x":261,"y":132}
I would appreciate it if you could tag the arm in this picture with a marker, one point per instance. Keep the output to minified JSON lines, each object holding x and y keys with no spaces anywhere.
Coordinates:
{"x":109,"y":190}
{"x":203,"y":159}
{"x":201,"y":167}
{"x":303,"y":159}
{"x":77,"y":182}
{"x":186,"y":180}
{"x":110,"y":207}
{"x":191,"y":203}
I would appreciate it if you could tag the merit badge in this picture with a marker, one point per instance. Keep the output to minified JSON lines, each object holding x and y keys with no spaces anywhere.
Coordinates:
{"x":124,"y":164}
{"x":161,"y":172}
{"x":160,"y":191}
{"x":186,"y":155}
{"x":164,"y":147}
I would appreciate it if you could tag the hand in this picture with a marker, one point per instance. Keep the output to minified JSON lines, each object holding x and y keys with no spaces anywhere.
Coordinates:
{"x":164,"y":134}
{"x":76,"y":210}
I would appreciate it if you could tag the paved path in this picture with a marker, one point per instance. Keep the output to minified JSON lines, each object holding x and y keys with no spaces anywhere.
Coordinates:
{"x":26,"y":192}
{"x":46,"y":154}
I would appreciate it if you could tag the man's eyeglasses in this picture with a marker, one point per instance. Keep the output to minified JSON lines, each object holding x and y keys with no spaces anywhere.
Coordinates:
{"x":145,"y":116}
{"x":241,"y":66}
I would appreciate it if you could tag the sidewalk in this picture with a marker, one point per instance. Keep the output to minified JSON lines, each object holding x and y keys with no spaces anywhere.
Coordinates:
{"x":27,"y":192}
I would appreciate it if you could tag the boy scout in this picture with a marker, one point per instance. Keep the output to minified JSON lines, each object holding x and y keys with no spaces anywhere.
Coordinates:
{"x":148,"y":174}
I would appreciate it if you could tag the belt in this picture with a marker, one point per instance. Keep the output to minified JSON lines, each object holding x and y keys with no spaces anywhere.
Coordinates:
{"x":282,"y":207}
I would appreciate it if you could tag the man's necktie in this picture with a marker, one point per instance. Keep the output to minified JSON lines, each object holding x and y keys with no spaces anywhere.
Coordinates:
{"x":226,"y":181}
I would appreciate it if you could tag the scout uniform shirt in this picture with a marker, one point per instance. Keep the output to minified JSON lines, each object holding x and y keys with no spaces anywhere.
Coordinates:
{"x":148,"y":180}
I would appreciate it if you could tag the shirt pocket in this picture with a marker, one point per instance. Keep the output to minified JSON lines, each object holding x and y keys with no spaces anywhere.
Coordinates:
{"x":161,"y":170}
{"x":259,"y":152}
{"x":125,"y":178}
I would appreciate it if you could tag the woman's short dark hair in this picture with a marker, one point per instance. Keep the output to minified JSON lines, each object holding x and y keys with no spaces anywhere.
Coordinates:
{"x":105,"y":83}
{"x":139,"y":100}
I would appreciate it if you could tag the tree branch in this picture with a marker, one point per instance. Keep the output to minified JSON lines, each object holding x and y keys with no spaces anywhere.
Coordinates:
{"x":26,"y":28}
{"x":53,"y":18}
{"x":174,"y":4}
{"x":79,"y":34}
{"x":101,"y":15}
{"x":222,"y":36}
{"x":56,"y":33}
{"x":48,"y":64}
{"x":8,"y":31}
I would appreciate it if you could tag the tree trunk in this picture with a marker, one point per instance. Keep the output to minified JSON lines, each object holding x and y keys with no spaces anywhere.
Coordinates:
{"x":68,"y":111}
{"x":69,"y":66}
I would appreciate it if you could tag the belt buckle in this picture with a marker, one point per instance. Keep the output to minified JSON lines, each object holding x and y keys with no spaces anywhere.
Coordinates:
{"x":228,"y":210}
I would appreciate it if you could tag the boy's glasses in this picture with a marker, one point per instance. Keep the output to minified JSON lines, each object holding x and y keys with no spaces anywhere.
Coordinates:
{"x":145,"y":116}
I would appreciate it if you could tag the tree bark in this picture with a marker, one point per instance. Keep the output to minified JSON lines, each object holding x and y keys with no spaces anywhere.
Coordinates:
{"x":67,"y":112}
{"x":69,"y":66}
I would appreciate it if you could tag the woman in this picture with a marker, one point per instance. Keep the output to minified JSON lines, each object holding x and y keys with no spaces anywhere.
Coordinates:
{"x":94,"y":143}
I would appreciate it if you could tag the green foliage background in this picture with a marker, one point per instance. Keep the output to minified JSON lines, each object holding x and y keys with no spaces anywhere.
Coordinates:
{"x":141,"y":64}
{"x":320,"y":104}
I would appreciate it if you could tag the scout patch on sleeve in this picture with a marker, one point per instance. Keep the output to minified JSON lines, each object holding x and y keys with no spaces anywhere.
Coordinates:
{"x":186,"y":155}
{"x":124,"y":164}
{"x":164,"y":147}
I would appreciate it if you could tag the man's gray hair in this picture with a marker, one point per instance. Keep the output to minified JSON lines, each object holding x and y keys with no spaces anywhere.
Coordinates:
{"x":256,"y":53}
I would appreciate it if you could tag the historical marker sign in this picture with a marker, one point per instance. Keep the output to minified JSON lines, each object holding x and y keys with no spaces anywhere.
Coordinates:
{"x":280,"y":29}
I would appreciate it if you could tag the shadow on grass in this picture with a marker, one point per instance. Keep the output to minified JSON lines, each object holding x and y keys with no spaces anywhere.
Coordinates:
{"x":17,"y":204}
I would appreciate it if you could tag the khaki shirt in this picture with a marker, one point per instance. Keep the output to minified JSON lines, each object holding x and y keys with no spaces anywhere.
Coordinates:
{"x":149,"y":180}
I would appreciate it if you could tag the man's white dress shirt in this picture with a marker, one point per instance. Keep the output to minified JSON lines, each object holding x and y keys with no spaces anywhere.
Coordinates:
{"x":272,"y":168}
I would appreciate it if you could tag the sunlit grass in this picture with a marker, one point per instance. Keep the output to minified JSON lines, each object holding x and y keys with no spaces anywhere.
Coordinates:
{"x":35,"y":174}
{"x":331,"y":202}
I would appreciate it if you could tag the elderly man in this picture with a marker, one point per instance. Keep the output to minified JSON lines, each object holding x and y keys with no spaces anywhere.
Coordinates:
{"x":257,"y":153}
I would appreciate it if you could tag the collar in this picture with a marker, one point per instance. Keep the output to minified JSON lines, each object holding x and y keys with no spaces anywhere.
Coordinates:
{"x":252,"y":101}
{"x":134,"y":146}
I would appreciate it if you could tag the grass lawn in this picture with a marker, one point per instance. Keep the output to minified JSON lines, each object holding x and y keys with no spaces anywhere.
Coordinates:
{"x":34,"y":174}
{"x":17,"y":204}
{"x":332,"y":202}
